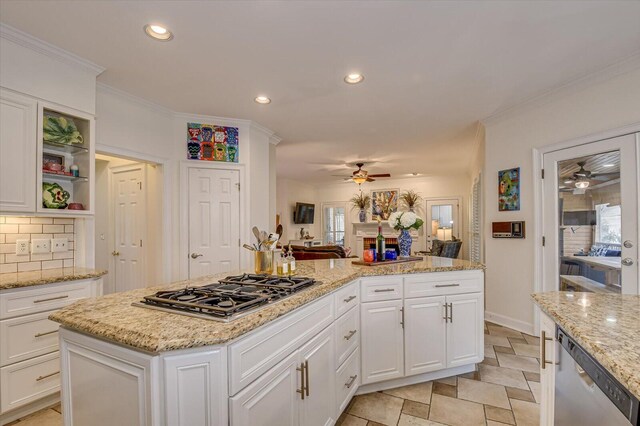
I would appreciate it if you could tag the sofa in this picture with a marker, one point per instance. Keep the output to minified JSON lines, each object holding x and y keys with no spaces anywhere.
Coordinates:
{"x":318,"y":252}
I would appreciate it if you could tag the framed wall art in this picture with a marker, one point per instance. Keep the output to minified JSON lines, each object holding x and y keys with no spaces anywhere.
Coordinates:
{"x":509,"y":190}
{"x":383,"y":203}
{"x":208,"y":142}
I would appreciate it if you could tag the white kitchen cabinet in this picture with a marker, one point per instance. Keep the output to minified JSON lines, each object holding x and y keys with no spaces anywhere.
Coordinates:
{"x":18,"y":120}
{"x":382,"y":341}
{"x":465,"y":336}
{"x":425,"y":335}
{"x":548,"y":359}
{"x":298,"y":391}
{"x":318,"y":356}
{"x":272,"y":399}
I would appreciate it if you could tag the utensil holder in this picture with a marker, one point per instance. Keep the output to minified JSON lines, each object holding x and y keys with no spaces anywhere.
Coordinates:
{"x":263,"y":262}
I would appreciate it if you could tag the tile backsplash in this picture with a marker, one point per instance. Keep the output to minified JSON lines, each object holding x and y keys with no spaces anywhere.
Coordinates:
{"x":27,"y":228}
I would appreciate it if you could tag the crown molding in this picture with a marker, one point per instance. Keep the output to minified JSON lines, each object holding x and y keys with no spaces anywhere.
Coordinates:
{"x":30,"y":42}
{"x":624,"y":66}
{"x":102,"y":87}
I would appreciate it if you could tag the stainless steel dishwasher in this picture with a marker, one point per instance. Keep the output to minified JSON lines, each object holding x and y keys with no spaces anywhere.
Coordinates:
{"x":586,"y":393}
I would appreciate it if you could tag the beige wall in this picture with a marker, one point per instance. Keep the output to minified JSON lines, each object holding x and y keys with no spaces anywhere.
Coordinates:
{"x":574,"y":112}
{"x":288,"y":192}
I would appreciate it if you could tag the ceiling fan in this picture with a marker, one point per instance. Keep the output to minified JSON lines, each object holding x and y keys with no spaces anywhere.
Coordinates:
{"x":582,"y":178}
{"x":361,"y":176}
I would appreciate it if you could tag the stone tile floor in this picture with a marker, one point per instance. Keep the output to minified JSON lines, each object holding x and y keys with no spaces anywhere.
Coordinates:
{"x":504,"y":390}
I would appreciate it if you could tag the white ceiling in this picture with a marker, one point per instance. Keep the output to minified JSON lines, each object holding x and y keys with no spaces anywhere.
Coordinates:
{"x":433,"y":69}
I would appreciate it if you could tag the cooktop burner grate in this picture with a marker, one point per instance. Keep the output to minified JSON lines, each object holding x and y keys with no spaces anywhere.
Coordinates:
{"x":228,"y":299}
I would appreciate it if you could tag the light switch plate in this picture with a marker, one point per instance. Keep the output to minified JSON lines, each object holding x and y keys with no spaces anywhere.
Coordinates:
{"x":40,"y":246}
{"x":22,"y":247}
{"x":59,"y":244}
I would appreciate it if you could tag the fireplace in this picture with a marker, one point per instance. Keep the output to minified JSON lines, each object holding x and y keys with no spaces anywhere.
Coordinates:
{"x":390,"y":243}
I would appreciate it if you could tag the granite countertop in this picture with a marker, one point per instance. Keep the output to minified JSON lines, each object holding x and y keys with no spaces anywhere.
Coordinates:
{"x":113,"y":318}
{"x":605,"y":325}
{"x":47,"y":276}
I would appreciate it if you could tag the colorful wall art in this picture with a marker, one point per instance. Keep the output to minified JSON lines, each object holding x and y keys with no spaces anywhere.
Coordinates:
{"x":383,"y":203}
{"x":509,"y":190}
{"x":208,"y":142}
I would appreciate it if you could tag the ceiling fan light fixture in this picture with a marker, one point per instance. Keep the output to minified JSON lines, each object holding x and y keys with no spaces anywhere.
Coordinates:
{"x":582,"y":184}
{"x":359,"y":179}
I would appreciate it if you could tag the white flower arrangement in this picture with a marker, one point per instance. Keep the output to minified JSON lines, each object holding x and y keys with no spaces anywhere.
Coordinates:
{"x":405,"y":220}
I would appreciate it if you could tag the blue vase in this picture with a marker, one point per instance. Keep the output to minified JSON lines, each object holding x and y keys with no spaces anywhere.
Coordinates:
{"x":404,"y":243}
{"x":362,"y":216}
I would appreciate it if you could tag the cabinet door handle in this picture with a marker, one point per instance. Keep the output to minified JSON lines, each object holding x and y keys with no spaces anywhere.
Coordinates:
{"x":306,"y":375}
{"x":450,"y":312}
{"x":350,"y":335}
{"x":349,"y":299}
{"x":383,"y":290}
{"x":402,"y":317}
{"x":543,"y":349}
{"x":447,"y":285}
{"x":302,"y":388}
{"x":352,"y":380}
{"x":46,"y":376}
{"x":45,"y":334}
{"x":446,"y":312}
{"x":51,"y":298}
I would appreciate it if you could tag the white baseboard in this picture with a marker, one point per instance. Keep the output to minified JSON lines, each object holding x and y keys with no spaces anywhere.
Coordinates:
{"x":25,"y":410}
{"x":506,"y":321}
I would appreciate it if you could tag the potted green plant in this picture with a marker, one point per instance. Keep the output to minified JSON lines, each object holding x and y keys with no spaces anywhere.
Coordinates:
{"x":362,"y":202}
{"x":410,"y":199}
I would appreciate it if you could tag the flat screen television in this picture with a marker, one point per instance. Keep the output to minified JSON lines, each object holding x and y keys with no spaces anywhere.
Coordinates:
{"x":303,"y":213}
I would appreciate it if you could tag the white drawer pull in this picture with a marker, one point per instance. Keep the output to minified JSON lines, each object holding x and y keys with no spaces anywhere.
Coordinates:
{"x":351,"y":381}
{"x":349,"y":299}
{"x":447,"y":285}
{"x":383,"y":290}
{"x":350,"y":335}
{"x":47,"y":376}
{"x":45,"y":334}
{"x":51,"y":298}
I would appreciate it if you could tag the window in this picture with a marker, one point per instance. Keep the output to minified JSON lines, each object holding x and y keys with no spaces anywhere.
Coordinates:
{"x":608,"y":224}
{"x":333,"y":224}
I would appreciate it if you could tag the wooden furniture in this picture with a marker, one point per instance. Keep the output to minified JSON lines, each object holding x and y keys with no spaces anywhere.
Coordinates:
{"x":306,"y":243}
{"x":29,"y":357}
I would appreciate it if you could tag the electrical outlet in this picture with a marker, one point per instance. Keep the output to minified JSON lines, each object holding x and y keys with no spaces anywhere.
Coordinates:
{"x":59,"y":244}
{"x":40,"y":246}
{"x":22,"y":247}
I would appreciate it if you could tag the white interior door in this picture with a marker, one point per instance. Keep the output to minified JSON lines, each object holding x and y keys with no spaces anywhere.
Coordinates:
{"x":604,"y":212}
{"x":214,"y":221}
{"x":443,"y":220}
{"x":129,"y":215}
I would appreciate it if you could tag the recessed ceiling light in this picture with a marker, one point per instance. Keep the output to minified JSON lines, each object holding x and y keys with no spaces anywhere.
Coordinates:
{"x":158,"y":32}
{"x":262,"y":100}
{"x":354,"y":78}
{"x":608,"y":165}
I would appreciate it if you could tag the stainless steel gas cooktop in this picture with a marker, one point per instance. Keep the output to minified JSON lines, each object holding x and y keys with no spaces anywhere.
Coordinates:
{"x":228,"y":299}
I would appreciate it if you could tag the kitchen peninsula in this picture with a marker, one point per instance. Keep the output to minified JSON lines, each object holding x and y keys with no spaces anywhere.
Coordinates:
{"x":296,"y":361}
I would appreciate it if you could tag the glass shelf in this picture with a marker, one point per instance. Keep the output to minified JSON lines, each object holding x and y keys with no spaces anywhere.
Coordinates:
{"x":60,"y":147}
{"x":47,"y":175}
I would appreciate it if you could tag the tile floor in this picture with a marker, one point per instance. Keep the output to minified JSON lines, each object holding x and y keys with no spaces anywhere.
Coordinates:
{"x":504,"y":390}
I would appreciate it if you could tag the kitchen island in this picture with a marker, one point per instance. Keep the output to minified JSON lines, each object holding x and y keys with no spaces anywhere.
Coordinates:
{"x":296,"y":361}
{"x":606,"y":326}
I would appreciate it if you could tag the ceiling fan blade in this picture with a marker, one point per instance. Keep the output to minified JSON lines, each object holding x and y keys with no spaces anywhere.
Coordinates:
{"x":605,"y":176}
{"x":381,"y":175}
{"x":370,"y":180}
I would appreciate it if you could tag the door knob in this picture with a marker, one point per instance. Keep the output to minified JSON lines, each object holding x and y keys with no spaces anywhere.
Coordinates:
{"x":627,"y":261}
{"x":627,"y":244}
{"x":115,"y":253}
{"x":195,"y":255}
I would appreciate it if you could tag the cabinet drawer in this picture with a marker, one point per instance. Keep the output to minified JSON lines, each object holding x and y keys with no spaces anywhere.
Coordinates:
{"x":27,"y":337}
{"x":381,"y":288}
{"x":43,"y":298}
{"x":347,"y":380}
{"x":253,"y":355}
{"x":443,"y":283}
{"x":27,"y":381}
{"x":347,"y":334}
{"x":346,"y":298}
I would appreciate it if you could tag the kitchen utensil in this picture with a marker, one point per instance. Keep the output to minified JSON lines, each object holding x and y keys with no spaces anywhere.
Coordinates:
{"x":248,"y":247}
{"x":256,"y":233}
{"x":279,"y":229}
{"x":263,"y":262}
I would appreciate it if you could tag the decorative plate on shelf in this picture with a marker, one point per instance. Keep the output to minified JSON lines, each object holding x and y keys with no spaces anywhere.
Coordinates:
{"x":61,"y":130}
{"x":54,"y":196}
